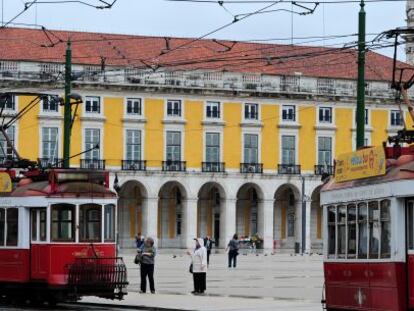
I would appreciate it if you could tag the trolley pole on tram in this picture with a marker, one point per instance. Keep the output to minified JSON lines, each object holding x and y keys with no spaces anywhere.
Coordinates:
{"x":360,"y":113}
{"x":68,"y":109}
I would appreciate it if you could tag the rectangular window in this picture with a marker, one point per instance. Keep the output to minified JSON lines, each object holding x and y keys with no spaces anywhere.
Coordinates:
{"x":92,"y":104}
{"x":396,"y":118}
{"x":50,"y":145}
{"x":288,"y":113}
{"x":251,"y":152}
{"x":174,"y":108}
{"x":50,"y":104}
{"x":410,"y":224}
{"x":213,"y":147}
{"x":134,"y":106}
{"x":324,"y":151}
{"x":92,"y":139}
{"x":251,"y":111}
{"x":341,"y":231}
{"x":331,"y":231}
{"x":173,"y":146}
{"x":362,"y":231}
{"x":352,"y":231}
{"x":213,"y":110}
{"x":6,"y":150}
{"x":109,"y":228}
{"x":133,"y":145}
{"x":8,"y":102}
{"x":34,"y":224}
{"x":325,"y":115}
{"x":374,"y":229}
{"x":90,"y":223}
{"x":63,"y":223}
{"x":12,"y":217}
{"x":42,"y":226}
{"x":288,"y":150}
{"x":385,"y":229}
{"x":2,"y":225}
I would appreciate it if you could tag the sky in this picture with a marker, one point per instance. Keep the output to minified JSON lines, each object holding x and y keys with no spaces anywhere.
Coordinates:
{"x":178,"y":19}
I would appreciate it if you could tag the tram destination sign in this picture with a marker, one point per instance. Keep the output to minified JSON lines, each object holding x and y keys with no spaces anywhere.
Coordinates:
{"x":364,"y":163}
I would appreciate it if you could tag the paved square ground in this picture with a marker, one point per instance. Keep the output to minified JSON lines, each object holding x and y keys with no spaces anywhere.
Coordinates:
{"x":263,"y":282}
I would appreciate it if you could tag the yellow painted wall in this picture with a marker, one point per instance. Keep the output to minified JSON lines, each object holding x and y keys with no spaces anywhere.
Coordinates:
{"x":193,"y":148}
{"x":270,"y":136}
{"x":28,"y":130}
{"x":154,"y":131}
{"x":307,"y":145}
{"x":232,"y":148}
{"x":113,"y":131}
{"x":76,"y":138}
{"x":343,"y":139}
{"x":380,"y":122}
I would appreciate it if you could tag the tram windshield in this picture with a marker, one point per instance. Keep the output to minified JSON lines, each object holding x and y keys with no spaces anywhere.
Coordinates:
{"x":359,"y":230}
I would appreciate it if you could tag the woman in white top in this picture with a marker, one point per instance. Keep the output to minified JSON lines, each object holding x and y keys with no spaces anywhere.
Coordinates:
{"x":199,"y":264}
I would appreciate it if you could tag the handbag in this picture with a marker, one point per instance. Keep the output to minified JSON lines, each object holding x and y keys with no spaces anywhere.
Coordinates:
{"x":138,"y":259}
{"x":191,"y":268}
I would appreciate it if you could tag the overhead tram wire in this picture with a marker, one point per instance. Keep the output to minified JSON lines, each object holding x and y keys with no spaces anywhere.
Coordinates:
{"x":106,"y":5}
{"x":26,"y":7}
{"x":284,"y":1}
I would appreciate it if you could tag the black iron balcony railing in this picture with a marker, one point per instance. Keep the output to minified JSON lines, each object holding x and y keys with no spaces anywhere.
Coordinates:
{"x":134,"y":165}
{"x":174,"y":166}
{"x":50,"y":162}
{"x":251,"y":168}
{"x":324,"y":169}
{"x":7,"y":161}
{"x":288,"y":169}
{"x":92,"y":164}
{"x":213,"y":167}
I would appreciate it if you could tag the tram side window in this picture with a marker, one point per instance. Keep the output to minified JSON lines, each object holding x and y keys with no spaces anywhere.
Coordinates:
{"x":410,"y":225}
{"x":109,"y":227}
{"x":42,"y":233}
{"x":352,"y":232}
{"x":63,"y":222}
{"x":331,"y":231}
{"x":12,"y":216}
{"x":34,"y":225}
{"x":385,"y":229}
{"x":341,"y":231}
{"x":374,"y":230}
{"x":2,"y":225}
{"x":362,"y":230}
{"x":90,"y":222}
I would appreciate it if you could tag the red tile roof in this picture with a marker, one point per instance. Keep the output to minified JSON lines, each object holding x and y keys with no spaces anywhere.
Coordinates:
{"x":22,"y":44}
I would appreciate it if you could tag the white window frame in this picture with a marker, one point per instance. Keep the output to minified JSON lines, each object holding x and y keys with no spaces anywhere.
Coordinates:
{"x":289,"y":132}
{"x":101,"y":139}
{"x":142,"y":142}
{"x":205,"y":145}
{"x":90,"y":113}
{"x":50,"y":112}
{"x":16,"y":106}
{"x":180,"y":117}
{"x":58,"y":143}
{"x":259,"y":144}
{"x":332,"y":137}
{"x":295,"y":107}
{"x":332,"y":115}
{"x":250,"y":104}
{"x":390,"y":118}
{"x":220,"y":105}
{"x":133,"y":115}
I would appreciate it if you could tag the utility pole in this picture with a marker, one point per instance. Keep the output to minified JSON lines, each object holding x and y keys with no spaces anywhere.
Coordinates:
{"x":68,"y":108}
{"x":360,"y":113}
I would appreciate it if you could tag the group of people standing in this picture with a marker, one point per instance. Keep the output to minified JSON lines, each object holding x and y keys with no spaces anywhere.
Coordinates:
{"x":200,"y":260}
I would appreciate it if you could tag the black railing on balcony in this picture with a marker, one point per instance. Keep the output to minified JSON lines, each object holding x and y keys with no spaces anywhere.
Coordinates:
{"x":288,"y":169}
{"x":134,"y":165}
{"x":251,"y":168}
{"x":213,"y":167}
{"x":93,"y":164}
{"x":7,"y":161}
{"x":50,"y":163}
{"x":324,"y":169}
{"x":174,"y":166}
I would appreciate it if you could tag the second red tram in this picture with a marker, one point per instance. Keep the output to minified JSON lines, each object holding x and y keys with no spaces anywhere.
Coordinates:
{"x":369,"y":238}
{"x":58,"y":237}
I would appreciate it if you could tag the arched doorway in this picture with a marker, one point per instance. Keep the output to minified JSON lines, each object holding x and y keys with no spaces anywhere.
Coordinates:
{"x":249,"y":201}
{"x":286,"y":226}
{"x":131,"y":206}
{"x":316,"y":221}
{"x":209,"y":211}
{"x":171,"y":209}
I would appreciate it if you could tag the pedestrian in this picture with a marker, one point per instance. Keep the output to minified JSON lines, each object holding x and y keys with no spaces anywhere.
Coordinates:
{"x":139,"y":240}
{"x":199,"y":266}
{"x":148,"y":253}
{"x":233,"y":250}
{"x":208,"y":244}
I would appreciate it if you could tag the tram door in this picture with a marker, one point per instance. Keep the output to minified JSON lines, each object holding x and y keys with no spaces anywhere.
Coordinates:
{"x":410,"y":252}
{"x":38,"y":247}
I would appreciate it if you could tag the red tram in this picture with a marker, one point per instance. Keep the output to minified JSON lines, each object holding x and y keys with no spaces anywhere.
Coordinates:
{"x":58,"y":237}
{"x":369,"y":232}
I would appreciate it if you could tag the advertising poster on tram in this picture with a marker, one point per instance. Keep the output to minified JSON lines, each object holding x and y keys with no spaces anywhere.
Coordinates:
{"x":364,"y":163}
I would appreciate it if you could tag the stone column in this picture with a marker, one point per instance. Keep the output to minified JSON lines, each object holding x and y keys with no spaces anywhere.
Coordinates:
{"x":150,"y":218}
{"x":265,"y":222}
{"x":227,"y":221}
{"x":308,"y":225}
{"x":189,"y":224}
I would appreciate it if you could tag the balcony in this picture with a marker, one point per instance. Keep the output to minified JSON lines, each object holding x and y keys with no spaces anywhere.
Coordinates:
{"x":288,"y":169}
{"x":251,"y":168}
{"x":134,"y":165}
{"x":173,"y":166}
{"x":92,"y":164}
{"x":8,"y":162}
{"x":213,"y":167}
{"x":324,"y":169}
{"x":50,"y":163}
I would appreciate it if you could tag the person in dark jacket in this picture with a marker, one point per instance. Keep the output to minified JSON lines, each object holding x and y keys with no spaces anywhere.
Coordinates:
{"x":233,"y":250}
{"x":148,"y":253}
{"x":208,"y":244}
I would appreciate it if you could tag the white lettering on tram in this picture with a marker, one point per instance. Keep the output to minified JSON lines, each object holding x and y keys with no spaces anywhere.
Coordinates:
{"x":355,"y":194}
